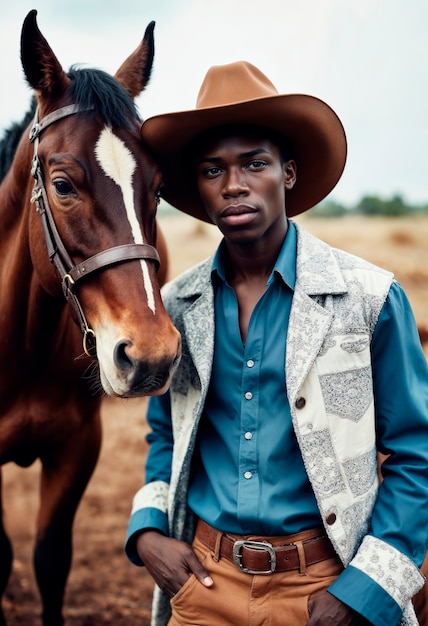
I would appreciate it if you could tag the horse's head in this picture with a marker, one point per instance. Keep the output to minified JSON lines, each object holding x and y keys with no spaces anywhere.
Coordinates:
{"x":96,"y":191}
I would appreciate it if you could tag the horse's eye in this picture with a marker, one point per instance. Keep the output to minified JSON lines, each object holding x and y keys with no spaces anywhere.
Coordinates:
{"x":63,"y":187}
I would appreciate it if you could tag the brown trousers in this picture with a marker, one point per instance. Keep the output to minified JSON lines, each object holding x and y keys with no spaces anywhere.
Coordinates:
{"x":239,"y":599}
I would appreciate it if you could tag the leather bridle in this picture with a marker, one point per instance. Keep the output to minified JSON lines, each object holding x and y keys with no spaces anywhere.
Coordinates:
{"x":69,"y":272}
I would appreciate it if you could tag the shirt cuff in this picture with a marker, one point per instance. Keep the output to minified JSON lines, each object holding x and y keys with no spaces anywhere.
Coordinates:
{"x":360,"y":592}
{"x":143,"y":519}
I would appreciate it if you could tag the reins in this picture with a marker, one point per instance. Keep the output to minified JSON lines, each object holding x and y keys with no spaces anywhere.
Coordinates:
{"x":70,"y":273}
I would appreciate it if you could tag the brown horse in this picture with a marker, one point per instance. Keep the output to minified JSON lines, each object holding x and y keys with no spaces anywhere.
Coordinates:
{"x":78,"y":218}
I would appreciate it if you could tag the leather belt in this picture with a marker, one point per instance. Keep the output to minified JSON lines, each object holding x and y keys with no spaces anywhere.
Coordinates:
{"x":260,"y":557}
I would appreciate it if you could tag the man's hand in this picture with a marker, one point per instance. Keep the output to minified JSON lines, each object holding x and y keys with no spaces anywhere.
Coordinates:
{"x":326,"y":610}
{"x":170,"y":562}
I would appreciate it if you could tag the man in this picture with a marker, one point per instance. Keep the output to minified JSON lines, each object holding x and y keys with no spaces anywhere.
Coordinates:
{"x":300,"y":363}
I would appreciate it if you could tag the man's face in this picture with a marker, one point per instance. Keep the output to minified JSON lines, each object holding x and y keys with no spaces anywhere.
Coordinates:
{"x":242,"y":182}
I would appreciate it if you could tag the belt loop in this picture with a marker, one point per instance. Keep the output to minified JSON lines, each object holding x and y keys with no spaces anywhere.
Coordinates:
{"x":302,"y":557}
{"x":217,"y":547}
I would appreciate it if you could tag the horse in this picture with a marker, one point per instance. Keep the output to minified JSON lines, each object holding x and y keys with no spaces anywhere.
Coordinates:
{"x":80,"y":308}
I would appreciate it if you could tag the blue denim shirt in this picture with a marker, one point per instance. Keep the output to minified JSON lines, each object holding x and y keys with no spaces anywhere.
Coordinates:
{"x":248,"y":475}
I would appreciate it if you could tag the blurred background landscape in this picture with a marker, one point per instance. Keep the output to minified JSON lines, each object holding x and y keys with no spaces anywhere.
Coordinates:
{"x":366,"y":59}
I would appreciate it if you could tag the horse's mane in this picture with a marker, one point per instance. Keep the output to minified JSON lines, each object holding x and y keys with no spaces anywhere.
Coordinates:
{"x":10,"y":140}
{"x":90,"y":89}
{"x":98,"y":90}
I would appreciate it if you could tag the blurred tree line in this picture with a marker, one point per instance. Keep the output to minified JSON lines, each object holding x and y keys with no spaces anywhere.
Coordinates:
{"x":369,"y":205}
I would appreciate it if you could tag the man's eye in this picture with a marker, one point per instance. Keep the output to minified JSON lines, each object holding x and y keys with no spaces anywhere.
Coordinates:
{"x":257,"y":165}
{"x":63,"y":187}
{"x":211,"y":172}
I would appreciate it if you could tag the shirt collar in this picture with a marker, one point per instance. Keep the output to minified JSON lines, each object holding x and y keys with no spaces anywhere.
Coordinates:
{"x":285,"y":265}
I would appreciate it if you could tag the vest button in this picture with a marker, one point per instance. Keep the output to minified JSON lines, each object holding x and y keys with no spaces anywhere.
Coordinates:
{"x":331,"y":518}
{"x":300,"y":403}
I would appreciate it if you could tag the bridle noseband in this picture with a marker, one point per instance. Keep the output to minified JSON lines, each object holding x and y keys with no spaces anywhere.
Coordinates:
{"x":69,"y":272}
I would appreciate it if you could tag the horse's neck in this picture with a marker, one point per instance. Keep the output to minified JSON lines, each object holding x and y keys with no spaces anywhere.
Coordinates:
{"x":15,"y":268}
{"x":15,"y":190}
{"x":28,"y":313}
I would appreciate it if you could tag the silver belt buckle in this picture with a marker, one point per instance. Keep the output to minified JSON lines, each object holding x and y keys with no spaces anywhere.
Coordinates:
{"x":254,"y":545}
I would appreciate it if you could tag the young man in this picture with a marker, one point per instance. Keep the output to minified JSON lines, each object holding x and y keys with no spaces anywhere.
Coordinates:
{"x":300,"y":363}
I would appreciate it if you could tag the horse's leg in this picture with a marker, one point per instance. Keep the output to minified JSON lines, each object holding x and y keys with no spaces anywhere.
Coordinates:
{"x":65,"y":475}
{"x":5,"y":556}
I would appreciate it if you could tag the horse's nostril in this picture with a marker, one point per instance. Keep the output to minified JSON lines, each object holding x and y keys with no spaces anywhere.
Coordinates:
{"x":142,"y":376}
{"x":121,"y":358}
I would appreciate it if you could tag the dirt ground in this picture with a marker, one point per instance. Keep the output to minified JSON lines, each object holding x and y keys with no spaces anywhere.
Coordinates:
{"x":104,"y":588}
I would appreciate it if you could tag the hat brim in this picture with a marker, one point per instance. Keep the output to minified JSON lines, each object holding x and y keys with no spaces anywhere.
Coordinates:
{"x":307,"y":123}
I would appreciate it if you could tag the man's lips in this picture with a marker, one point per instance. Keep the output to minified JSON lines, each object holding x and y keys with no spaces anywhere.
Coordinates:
{"x":237,"y":209}
{"x":238,"y":214}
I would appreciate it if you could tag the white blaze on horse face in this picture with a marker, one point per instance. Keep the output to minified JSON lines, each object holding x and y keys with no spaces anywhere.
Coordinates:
{"x":118,"y":163}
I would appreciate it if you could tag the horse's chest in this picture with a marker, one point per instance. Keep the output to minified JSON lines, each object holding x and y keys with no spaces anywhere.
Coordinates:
{"x":31,"y":424}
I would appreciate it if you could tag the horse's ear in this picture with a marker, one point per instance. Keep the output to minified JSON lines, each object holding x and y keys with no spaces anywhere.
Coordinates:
{"x":42,"y":69}
{"x":134,"y":73}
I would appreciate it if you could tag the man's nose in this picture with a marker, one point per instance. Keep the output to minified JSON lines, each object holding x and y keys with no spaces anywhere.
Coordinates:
{"x":235,"y":183}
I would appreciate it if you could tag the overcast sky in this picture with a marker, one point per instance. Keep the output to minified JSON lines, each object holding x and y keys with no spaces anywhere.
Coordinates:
{"x":368,"y":59}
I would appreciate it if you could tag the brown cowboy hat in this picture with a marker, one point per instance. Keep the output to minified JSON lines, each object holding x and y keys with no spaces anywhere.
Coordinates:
{"x":239,"y":93}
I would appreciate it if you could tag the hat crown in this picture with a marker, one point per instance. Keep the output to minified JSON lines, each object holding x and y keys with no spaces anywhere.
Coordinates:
{"x":233,"y":83}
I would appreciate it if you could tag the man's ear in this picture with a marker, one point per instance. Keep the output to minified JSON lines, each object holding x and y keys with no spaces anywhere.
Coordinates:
{"x":290,"y":174}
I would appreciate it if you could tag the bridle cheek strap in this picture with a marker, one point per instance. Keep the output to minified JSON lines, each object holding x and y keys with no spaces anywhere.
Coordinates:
{"x":68,"y":271}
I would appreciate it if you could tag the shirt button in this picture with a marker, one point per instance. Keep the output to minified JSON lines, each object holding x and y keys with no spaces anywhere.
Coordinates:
{"x":248,"y":435}
{"x":248,"y":395}
{"x":300,"y":403}
{"x":330,"y":519}
{"x":247,"y":475}
{"x":250,"y":363}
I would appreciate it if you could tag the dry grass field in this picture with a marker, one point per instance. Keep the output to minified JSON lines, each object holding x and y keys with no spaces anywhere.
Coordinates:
{"x":104,"y":589}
